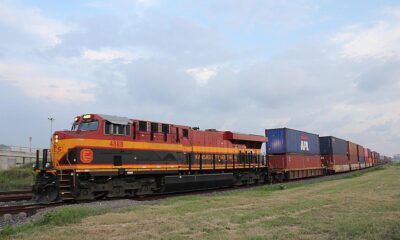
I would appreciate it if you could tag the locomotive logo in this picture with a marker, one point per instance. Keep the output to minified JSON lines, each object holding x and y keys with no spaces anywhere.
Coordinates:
{"x":86,"y":155}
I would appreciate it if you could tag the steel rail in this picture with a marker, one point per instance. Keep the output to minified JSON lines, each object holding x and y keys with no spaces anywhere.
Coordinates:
{"x":15,"y":196}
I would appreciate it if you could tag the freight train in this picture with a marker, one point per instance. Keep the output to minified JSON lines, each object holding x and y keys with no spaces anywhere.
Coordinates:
{"x":105,"y":156}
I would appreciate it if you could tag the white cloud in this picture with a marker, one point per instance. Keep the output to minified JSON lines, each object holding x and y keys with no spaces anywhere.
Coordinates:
{"x":379,"y":40}
{"x":368,"y":115}
{"x":109,"y":55}
{"x":146,"y":3}
{"x":35,"y":83}
{"x":202,"y":75}
{"x":31,"y":21}
{"x":106,"y":55}
{"x":372,"y":125}
{"x":132,"y":6}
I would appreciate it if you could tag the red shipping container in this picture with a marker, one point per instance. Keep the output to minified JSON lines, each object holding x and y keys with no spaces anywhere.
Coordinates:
{"x":361,"y":157}
{"x":367,"y":157}
{"x":330,"y":160}
{"x":337,"y":159}
{"x":374,"y":156}
{"x":352,"y":152}
{"x":294,"y":161}
{"x":361,"y":152}
{"x":336,"y":163}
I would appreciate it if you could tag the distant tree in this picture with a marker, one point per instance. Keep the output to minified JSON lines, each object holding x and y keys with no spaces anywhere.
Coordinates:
{"x":4,"y":147}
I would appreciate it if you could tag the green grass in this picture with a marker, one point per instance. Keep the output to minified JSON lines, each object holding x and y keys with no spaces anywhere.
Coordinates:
{"x":16,"y":178}
{"x":59,"y":217}
{"x":69,"y":215}
{"x":362,"y":205}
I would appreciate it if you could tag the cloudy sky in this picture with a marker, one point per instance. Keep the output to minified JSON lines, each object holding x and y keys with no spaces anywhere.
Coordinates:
{"x":329,"y":67}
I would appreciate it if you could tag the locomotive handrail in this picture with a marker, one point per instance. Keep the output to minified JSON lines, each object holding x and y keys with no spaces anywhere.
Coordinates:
{"x":44,"y":152}
{"x":67,"y":158}
{"x":37,"y":160}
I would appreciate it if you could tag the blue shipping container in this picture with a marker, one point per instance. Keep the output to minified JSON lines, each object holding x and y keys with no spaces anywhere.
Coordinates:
{"x":332,"y":145}
{"x":285,"y":140}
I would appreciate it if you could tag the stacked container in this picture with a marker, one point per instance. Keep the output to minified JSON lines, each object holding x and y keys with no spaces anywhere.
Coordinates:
{"x":382,"y":159}
{"x":293,"y":152}
{"x":334,"y":154}
{"x":368,"y":159}
{"x":352,"y":154}
{"x":372,"y":158}
{"x":376,"y":156}
{"x":361,"y":156}
{"x":386,"y":159}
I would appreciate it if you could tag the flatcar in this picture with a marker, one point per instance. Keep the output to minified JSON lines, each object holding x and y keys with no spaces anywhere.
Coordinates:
{"x":293,"y":154}
{"x":109,"y":156}
{"x":334,"y":154}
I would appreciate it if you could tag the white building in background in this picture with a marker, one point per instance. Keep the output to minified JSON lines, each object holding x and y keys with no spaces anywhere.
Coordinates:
{"x":12,"y":156}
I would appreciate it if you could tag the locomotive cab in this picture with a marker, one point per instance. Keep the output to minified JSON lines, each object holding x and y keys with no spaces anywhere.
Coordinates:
{"x":85,"y":123}
{"x":84,"y":127}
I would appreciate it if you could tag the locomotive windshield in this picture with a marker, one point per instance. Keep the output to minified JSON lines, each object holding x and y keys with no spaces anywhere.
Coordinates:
{"x":85,"y":126}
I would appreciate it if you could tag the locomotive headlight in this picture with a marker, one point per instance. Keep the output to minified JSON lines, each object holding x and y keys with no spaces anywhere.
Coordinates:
{"x":56,"y":138}
{"x":87,"y":116}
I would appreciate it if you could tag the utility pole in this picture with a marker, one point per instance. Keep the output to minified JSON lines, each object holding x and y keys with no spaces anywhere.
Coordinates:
{"x":30,"y":144}
{"x":51,"y":119}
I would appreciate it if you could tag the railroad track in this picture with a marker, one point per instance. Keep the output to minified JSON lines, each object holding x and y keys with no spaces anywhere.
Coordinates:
{"x":15,"y":196}
{"x":15,"y":209}
{"x":33,"y":207}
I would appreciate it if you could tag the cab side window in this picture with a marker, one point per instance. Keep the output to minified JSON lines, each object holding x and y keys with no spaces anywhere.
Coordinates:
{"x":116,"y":129}
{"x":165,"y":128}
{"x":107,"y":128}
{"x":165,"y":131}
{"x":154,"y":127}
{"x":119,"y":129}
{"x":185,"y":133}
{"x":142,"y":126}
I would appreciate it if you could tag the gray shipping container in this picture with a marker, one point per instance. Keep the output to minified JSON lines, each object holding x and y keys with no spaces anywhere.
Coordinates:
{"x":332,"y":145}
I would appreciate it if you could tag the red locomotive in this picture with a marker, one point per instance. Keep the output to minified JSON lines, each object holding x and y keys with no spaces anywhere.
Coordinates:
{"x":109,"y":156}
